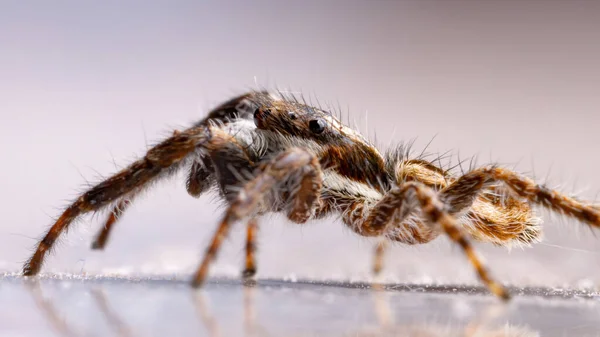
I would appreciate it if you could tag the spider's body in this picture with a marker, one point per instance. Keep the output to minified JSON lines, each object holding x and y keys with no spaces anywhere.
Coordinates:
{"x":267,"y":153}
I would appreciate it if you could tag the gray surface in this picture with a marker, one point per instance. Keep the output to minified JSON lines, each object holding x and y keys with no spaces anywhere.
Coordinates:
{"x":103,"y":306}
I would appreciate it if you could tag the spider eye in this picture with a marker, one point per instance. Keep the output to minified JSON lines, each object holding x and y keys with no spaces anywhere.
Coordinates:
{"x":256,"y":115}
{"x":316,"y":125}
{"x":292,"y":115}
{"x":260,"y":114}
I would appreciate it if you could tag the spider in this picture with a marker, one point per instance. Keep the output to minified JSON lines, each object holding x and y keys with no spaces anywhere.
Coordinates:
{"x":272,"y":152}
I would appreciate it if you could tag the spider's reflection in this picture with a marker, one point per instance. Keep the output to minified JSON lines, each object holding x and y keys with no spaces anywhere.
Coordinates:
{"x":483,"y":325}
{"x":204,"y":314}
{"x":487,"y":323}
{"x":62,"y":327}
{"x":48,"y":310}
{"x":118,"y":325}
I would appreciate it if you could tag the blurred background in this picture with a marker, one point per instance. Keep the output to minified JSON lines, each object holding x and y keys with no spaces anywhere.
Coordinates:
{"x":86,"y":87}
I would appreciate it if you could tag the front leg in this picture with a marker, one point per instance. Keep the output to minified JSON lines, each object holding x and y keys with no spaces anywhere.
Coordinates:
{"x":102,"y":236}
{"x":292,"y":165}
{"x":199,"y":181}
{"x":200,"y":173}
{"x":161,"y":160}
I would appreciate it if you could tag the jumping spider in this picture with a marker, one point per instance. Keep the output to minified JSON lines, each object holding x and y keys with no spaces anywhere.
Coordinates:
{"x":274,"y":153}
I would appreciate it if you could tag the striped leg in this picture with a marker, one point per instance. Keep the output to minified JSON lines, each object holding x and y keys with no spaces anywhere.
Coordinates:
{"x":249,"y":200}
{"x":535,"y":193}
{"x":198,"y":181}
{"x":250,"y":266}
{"x":409,"y":198}
{"x":379,"y":256}
{"x":102,"y":237}
{"x":160,"y":160}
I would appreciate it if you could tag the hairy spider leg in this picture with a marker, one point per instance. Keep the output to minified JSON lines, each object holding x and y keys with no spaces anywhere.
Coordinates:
{"x":379,"y":255}
{"x":163,"y":158}
{"x":400,"y":202}
{"x":250,"y":264}
{"x":198,"y":182}
{"x":486,"y":210}
{"x":533,"y":192}
{"x":250,"y":199}
{"x":101,"y":238}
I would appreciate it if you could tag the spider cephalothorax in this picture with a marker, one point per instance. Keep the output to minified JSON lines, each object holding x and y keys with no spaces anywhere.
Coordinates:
{"x":336,"y":145}
{"x":271,"y":153}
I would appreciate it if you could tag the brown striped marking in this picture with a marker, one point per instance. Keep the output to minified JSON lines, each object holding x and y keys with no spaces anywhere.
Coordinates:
{"x":250,"y":265}
{"x":102,"y":236}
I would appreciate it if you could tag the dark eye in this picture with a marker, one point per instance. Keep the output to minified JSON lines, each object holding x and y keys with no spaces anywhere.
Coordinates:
{"x":260,"y":114}
{"x":256,"y":116}
{"x":292,"y":115}
{"x":316,"y":125}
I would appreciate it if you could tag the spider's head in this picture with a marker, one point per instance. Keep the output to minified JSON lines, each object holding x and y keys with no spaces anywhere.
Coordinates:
{"x":338,"y":146}
{"x":299,"y":120}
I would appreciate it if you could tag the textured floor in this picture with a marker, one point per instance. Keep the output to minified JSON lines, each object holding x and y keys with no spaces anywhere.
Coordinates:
{"x":112,"y":306}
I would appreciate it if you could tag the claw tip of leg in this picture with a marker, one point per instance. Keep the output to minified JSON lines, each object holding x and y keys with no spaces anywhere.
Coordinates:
{"x":196,"y":283}
{"x":248,"y":273}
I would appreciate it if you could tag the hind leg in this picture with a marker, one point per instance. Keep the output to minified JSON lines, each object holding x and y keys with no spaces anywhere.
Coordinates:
{"x":379,"y":256}
{"x":473,"y":182}
{"x":412,"y":197}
